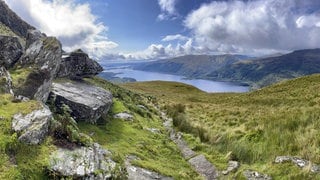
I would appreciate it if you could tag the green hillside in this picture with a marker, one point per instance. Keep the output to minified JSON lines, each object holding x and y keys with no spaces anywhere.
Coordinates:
{"x":252,"y":128}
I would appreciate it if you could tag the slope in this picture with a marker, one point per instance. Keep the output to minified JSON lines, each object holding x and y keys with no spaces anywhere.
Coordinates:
{"x":252,"y":128}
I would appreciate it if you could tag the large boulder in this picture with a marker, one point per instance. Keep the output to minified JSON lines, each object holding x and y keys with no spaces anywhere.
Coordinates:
{"x":77,"y":64}
{"x":5,"y":81}
{"x":10,"y":51}
{"x":42,"y":58}
{"x":33,"y":127}
{"x":88,"y":103}
{"x":82,"y":163}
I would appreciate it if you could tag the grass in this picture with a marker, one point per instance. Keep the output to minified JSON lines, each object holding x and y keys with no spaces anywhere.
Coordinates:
{"x":155,"y":151}
{"x":252,"y":128}
{"x":17,"y":160}
{"x":6,"y":31}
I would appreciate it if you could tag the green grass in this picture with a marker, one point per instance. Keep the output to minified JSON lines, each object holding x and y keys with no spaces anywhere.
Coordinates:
{"x":155,"y":151}
{"x":17,"y":160}
{"x":254,"y":127}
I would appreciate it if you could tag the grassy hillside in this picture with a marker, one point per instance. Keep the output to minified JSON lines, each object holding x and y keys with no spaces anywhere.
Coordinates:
{"x":252,"y":128}
{"x":267,"y":71}
{"x":123,"y":138}
{"x":193,"y":66}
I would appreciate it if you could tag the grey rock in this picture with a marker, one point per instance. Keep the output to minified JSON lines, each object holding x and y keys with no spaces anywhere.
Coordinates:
{"x":33,"y":35}
{"x":77,"y":64}
{"x":204,"y":167}
{"x":5,"y":81}
{"x":87,"y":102}
{"x":82,"y":163}
{"x":153,"y":130}
{"x":232,"y":167}
{"x":10,"y":51}
{"x":254,"y":175}
{"x":44,"y":56}
{"x":142,"y":107}
{"x":33,"y":127}
{"x":13,"y":21}
{"x":298,"y":162}
{"x":124,"y":116}
{"x":138,"y":173}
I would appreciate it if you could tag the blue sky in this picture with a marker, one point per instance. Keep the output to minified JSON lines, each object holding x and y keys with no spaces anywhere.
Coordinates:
{"x":153,"y":29}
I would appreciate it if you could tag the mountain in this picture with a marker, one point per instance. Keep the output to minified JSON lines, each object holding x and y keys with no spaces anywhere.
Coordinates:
{"x":266,"y":71}
{"x":191,"y":66}
{"x":257,"y":72}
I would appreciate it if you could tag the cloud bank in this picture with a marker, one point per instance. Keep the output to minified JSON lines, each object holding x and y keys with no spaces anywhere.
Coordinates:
{"x":72,"y":23}
{"x":256,"y":26}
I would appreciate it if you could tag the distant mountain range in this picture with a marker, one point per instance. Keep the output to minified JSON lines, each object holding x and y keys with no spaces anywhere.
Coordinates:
{"x":257,"y":72}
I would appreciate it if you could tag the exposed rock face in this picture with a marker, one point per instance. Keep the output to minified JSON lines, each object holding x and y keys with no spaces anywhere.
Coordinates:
{"x":77,"y":64}
{"x":82,"y":163}
{"x":10,"y":51}
{"x":44,"y":56}
{"x":32,"y":128}
{"x":5,"y":81}
{"x":13,"y":21}
{"x":88,"y":103}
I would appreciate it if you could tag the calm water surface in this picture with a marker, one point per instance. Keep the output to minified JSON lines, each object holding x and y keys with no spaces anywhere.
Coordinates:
{"x":204,"y":85}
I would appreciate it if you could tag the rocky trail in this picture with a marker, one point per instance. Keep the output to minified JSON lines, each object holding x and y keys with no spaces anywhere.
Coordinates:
{"x":199,"y":162}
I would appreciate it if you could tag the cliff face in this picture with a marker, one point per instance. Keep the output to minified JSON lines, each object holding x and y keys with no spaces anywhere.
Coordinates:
{"x":13,"y":21}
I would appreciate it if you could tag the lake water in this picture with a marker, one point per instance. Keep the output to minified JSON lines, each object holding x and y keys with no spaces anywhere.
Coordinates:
{"x":204,"y":85}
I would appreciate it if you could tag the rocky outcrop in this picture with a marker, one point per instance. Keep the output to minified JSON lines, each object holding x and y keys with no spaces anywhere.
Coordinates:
{"x":44,"y":58}
{"x":10,"y":51}
{"x":33,"y":127}
{"x":77,"y":64}
{"x":82,"y":163}
{"x":13,"y":21}
{"x":88,"y":103}
{"x":5,"y":81}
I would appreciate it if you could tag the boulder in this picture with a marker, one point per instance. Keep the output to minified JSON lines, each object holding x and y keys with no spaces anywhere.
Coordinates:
{"x":5,"y":81}
{"x":77,"y":64}
{"x":42,"y":58}
{"x":10,"y":51}
{"x":82,"y":163}
{"x":33,"y":127}
{"x":87,"y":102}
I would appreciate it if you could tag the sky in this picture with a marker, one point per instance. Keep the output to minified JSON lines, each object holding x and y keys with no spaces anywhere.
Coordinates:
{"x":154,"y":29}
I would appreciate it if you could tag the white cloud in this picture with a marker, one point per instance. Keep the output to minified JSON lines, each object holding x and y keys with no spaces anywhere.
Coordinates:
{"x":159,"y":51}
{"x":72,"y":23}
{"x":256,"y":26}
{"x":168,"y":10}
{"x":175,"y":37}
